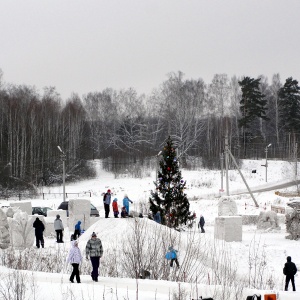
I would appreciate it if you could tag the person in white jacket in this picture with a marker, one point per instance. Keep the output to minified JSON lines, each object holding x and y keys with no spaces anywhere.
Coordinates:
{"x":75,"y":259}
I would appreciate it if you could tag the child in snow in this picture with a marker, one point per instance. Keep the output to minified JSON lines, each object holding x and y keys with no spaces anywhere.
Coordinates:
{"x":77,"y":231}
{"x":124,"y":212}
{"x":172,"y":256}
{"x":115,"y":208}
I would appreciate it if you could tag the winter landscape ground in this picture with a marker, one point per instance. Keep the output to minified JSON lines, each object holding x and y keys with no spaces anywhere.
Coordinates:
{"x":265,"y":251}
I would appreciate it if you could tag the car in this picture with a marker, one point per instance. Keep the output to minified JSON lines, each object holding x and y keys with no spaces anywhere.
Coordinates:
{"x":65,"y":205}
{"x":40,"y":210}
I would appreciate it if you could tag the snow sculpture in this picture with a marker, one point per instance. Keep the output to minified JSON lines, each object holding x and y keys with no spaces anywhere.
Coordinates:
{"x":293,"y":220}
{"x":228,"y":226}
{"x":268,"y":220}
{"x":4,"y":231}
{"x":227,"y":207}
{"x":21,"y":230}
{"x":11,"y":211}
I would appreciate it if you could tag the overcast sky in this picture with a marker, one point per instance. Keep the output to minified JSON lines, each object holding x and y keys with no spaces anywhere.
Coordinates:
{"x":86,"y":46}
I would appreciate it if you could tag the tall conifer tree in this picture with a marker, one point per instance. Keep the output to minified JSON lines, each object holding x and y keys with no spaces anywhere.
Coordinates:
{"x":253,"y":103}
{"x":169,"y":197}
{"x":289,"y":105}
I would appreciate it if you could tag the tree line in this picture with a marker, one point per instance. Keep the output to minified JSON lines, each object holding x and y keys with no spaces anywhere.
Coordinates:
{"x":126,"y":128}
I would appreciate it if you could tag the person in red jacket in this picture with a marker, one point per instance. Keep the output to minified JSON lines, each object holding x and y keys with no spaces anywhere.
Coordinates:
{"x":115,"y":208}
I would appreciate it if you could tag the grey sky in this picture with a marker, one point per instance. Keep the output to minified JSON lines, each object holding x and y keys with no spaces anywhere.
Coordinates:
{"x":86,"y":46}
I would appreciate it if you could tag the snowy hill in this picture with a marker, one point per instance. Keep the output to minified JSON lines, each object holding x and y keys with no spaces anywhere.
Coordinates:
{"x":201,"y":256}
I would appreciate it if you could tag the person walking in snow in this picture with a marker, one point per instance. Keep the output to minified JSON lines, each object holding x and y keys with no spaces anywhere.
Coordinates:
{"x":59,"y":228}
{"x":94,"y":250}
{"x":126,"y":201}
{"x":289,"y":271}
{"x":172,"y":256}
{"x":77,"y":231}
{"x":115,"y":208}
{"x":39,"y":230}
{"x":106,"y":202}
{"x":75,"y":259}
{"x":201,"y":224}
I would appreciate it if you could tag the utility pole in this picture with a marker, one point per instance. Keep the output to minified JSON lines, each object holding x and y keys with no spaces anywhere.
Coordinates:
{"x":266,"y":165}
{"x":226,"y":164}
{"x":63,"y":157}
{"x":296,"y":160}
{"x":222,"y":171}
{"x":227,"y":153}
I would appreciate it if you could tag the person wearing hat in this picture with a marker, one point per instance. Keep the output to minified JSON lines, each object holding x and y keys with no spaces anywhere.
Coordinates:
{"x":115,"y":208}
{"x":106,"y":202}
{"x":39,"y":229}
{"x":59,"y":228}
{"x":94,"y":250}
{"x":77,"y":231}
{"x":75,"y":259}
{"x":172,"y":256}
{"x":126,"y":201}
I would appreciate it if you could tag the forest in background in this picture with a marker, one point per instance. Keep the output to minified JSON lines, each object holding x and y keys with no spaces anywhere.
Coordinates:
{"x":128,"y":130}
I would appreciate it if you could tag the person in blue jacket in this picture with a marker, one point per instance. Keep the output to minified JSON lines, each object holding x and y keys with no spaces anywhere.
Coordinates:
{"x":77,"y":231}
{"x":157,"y":217}
{"x":126,"y":201}
{"x":172,"y":256}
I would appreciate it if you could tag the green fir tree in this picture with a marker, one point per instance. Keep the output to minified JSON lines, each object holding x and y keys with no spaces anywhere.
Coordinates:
{"x":289,"y":105}
{"x":169,"y":197}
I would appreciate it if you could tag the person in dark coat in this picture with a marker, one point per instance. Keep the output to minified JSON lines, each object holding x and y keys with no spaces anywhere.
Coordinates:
{"x":124,"y":213}
{"x":289,"y":271}
{"x":39,"y":230}
{"x":106,"y":202}
{"x":77,"y":231}
{"x":201,"y":224}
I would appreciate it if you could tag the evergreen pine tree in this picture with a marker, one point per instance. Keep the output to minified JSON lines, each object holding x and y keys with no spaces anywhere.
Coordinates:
{"x":253,"y":103}
{"x":169,"y":197}
{"x":289,"y":105}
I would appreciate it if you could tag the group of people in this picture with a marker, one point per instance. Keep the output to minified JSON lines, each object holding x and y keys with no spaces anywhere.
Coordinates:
{"x":39,"y":229}
{"x":94,"y":248}
{"x":107,"y":200}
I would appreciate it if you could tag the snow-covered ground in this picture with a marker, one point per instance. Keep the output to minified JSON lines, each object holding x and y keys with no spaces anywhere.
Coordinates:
{"x":203,"y":190}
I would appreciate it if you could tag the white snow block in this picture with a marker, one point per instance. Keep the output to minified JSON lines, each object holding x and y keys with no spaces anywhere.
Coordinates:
{"x":23,"y":206}
{"x":227,"y":207}
{"x":79,"y":210}
{"x":4,"y":231}
{"x":229,"y":228}
{"x":21,"y":230}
